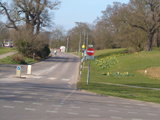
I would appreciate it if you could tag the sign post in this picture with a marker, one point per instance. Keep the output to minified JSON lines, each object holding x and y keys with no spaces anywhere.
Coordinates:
{"x":18,"y":73}
{"x":90,"y":52}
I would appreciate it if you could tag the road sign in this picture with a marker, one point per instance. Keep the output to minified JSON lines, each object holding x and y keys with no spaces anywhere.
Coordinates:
{"x":83,"y":46}
{"x":18,"y":68}
{"x":90,"y":51}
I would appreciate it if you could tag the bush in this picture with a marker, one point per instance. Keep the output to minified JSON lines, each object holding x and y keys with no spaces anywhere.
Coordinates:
{"x":18,"y":58}
{"x":44,"y":52}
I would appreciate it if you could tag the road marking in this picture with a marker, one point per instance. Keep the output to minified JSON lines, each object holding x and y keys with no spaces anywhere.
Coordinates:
{"x":37,"y":103}
{"x":112,"y":105}
{"x":144,"y":108}
{"x":93,"y":115}
{"x":30,"y":109}
{"x":65,"y":79}
{"x":43,"y":98}
{"x":10,"y":95}
{"x":17,"y":92}
{"x":33,"y":93}
{"x":141,"y":104}
{"x":69,"y":86}
{"x":94,"y":103}
{"x":151,"y":114}
{"x":8,"y":106}
{"x":74,"y":107}
{"x":48,"y":95}
{"x":128,"y":106}
{"x":73,"y":113}
{"x":51,"y":111}
{"x":136,"y":119}
{"x":37,"y":77}
{"x":57,"y":105}
{"x":26,"y":96}
{"x":94,"y":109}
{"x":113,"y":117}
{"x":113,"y":111}
{"x":125,"y":103}
{"x":52,"y":78}
{"x":67,"y":96}
{"x":18,"y":101}
{"x":133,"y":112}
{"x":2,"y":90}
{"x":77,"y":102}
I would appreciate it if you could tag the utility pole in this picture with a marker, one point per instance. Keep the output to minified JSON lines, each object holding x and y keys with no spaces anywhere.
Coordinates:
{"x":80,"y":44}
{"x":87,"y":42}
{"x":84,"y":38}
{"x":67,"y":44}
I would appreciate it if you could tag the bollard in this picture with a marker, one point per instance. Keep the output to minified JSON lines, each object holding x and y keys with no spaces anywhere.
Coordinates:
{"x":18,"y":71}
{"x":29,"y":70}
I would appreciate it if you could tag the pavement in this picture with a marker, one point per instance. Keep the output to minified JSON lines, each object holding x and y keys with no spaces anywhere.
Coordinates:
{"x":7,"y":54}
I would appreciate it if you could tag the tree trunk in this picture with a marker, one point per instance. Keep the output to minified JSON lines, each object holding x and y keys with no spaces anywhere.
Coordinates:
{"x":149,"y":42}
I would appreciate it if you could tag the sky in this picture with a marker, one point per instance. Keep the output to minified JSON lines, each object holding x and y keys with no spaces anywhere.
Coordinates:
{"x":71,"y":11}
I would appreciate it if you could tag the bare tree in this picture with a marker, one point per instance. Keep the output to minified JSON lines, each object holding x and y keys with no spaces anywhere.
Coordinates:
{"x":35,"y":13}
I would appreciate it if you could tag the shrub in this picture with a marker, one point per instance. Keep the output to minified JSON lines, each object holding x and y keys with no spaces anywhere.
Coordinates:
{"x":18,"y":58}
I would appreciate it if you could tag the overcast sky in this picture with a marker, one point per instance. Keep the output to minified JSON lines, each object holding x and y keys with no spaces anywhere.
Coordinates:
{"x":71,"y":11}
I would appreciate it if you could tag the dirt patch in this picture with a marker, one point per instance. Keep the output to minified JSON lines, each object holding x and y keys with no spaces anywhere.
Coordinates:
{"x":153,"y":72}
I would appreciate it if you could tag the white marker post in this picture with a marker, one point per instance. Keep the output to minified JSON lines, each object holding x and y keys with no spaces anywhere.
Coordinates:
{"x":29,"y":70}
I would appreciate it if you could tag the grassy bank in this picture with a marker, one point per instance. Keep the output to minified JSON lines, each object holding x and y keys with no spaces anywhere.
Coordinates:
{"x":123,"y":71}
{"x":4,"y":50}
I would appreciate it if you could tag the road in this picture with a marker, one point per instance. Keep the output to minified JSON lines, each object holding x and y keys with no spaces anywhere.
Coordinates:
{"x":51,"y":94}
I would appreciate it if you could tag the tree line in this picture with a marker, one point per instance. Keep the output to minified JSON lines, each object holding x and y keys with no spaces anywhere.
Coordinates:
{"x":136,"y":24}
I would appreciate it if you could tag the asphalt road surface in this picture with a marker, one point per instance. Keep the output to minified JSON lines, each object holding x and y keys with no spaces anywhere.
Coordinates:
{"x":51,"y":94}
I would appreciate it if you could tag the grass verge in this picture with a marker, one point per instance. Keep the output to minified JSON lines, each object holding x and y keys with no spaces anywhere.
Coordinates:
{"x":4,"y":50}
{"x":130,"y":63}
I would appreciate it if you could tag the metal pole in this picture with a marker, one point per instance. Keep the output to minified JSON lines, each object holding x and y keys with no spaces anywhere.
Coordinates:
{"x":88,"y":75}
{"x":67,"y":44}
{"x":80,"y":44}
{"x":87,"y":42}
{"x":84,"y":39}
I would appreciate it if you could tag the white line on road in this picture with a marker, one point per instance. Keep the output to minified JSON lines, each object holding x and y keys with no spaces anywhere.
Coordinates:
{"x":9,"y":95}
{"x":113,"y":117}
{"x":17,"y":92}
{"x":151,"y":114}
{"x":113,"y":111}
{"x":37,"y":103}
{"x":2,"y":90}
{"x":26,"y":96}
{"x":51,"y":111}
{"x":144,"y":108}
{"x":65,"y":79}
{"x":33,"y":93}
{"x":112,"y":105}
{"x":48,"y":95}
{"x":67,"y":96}
{"x":128,"y":106}
{"x":52,"y":78}
{"x":94,"y":109}
{"x":57,"y":105}
{"x":133,"y":112}
{"x":8,"y":106}
{"x":74,"y":107}
{"x":73,"y":113}
{"x":30,"y":109}
{"x":19,"y":101}
{"x":43,"y":98}
{"x":93,"y":115}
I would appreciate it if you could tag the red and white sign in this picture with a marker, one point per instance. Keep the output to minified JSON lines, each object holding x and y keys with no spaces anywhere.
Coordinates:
{"x":90,"y":51}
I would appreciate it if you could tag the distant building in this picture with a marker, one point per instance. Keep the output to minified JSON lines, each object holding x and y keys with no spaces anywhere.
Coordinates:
{"x":8,"y":43}
{"x":62,"y":49}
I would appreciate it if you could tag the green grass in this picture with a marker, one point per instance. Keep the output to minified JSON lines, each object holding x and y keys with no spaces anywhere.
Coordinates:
{"x":7,"y":60}
{"x":4,"y":50}
{"x":128,"y":63}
